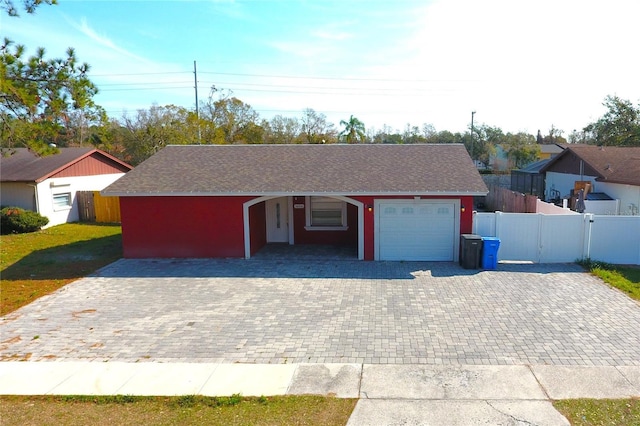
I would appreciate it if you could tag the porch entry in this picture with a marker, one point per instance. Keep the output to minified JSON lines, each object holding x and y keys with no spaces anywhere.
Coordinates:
{"x":277,"y":216}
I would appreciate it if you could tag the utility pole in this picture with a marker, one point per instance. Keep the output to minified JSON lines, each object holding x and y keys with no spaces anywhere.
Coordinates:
{"x":195,"y":80}
{"x":474,"y":161}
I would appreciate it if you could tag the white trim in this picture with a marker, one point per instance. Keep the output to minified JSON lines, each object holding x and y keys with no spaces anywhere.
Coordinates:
{"x":68,"y":196}
{"x":456,"y":221}
{"x":247,"y":235}
{"x":290,"y":219}
{"x":326,"y":228}
{"x":307,"y":215}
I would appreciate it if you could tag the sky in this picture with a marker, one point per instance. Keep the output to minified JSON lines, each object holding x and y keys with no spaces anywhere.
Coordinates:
{"x":520,"y":65}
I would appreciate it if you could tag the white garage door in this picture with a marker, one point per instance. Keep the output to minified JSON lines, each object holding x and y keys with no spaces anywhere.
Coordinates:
{"x":416,"y":230}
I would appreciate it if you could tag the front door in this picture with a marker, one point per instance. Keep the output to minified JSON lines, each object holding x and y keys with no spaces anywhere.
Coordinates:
{"x":277,"y":223}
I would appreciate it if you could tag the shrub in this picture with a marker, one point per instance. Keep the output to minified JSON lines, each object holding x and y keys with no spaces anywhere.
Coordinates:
{"x":14,"y":220}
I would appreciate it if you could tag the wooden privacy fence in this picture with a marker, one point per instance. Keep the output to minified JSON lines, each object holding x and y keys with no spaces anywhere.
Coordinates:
{"x":93,"y":207}
{"x":505,"y":200}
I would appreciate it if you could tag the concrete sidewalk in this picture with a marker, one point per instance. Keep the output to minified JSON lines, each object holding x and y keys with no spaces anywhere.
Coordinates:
{"x":389,"y":394}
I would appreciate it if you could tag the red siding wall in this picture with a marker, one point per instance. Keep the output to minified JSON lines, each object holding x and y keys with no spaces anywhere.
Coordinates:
{"x":466,"y":216}
{"x":93,"y":165}
{"x":182,"y":226}
{"x":213,"y":226}
{"x":257,"y":227}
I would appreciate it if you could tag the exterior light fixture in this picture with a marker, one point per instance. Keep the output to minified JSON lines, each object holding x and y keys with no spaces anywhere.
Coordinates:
{"x":462,"y":208}
{"x":370,"y":208}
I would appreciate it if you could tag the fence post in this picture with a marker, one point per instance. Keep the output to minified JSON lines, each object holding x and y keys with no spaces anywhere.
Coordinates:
{"x":541,"y":226}
{"x":474,"y":222}
{"x":586,"y":235}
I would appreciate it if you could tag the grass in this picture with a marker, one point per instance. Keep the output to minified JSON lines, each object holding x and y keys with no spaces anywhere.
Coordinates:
{"x":624,"y":278}
{"x":35,"y":264}
{"x":602,"y":412}
{"x":190,"y":409}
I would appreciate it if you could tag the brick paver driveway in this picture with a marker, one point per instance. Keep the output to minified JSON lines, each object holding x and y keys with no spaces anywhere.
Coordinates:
{"x":269,"y":311}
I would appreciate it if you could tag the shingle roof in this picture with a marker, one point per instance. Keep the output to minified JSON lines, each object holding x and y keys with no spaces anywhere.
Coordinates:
{"x":441,"y":169}
{"x":551,"y":148}
{"x":534,"y":167}
{"x":22,"y":165}
{"x":613,"y":164}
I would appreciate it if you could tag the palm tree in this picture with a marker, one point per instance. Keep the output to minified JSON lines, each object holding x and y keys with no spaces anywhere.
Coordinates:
{"x":353,"y":130}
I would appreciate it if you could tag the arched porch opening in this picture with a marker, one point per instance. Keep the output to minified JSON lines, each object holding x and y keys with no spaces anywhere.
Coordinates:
{"x":294,"y":202}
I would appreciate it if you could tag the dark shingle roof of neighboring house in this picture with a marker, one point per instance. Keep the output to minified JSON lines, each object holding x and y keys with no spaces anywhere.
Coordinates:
{"x":22,"y":165}
{"x":613,"y":164}
{"x":442,"y":169}
{"x":534,"y":167}
{"x":551,"y":148}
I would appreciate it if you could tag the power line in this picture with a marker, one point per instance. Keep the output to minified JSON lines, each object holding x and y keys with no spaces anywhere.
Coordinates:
{"x":317,"y":90}
{"x":287,"y":76}
{"x":329,"y":78}
{"x":146,"y":88}
{"x":140,"y":73}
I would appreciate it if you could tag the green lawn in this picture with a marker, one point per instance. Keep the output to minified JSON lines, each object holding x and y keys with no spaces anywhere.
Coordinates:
{"x":624,"y":278}
{"x":602,"y":412}
{"x":184,"y":410}
{"x":35,"y":264}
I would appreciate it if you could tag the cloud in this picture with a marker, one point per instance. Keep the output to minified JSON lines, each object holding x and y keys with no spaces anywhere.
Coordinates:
{"x":332,"y":36}
{"x":104,"y":41}
{"x":230,"y":8}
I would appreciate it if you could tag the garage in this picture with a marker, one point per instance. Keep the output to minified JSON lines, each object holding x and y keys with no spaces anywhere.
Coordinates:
{"x":417,"y":230}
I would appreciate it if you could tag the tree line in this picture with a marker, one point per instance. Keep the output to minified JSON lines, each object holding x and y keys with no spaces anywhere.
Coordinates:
{"x":48,"y":103}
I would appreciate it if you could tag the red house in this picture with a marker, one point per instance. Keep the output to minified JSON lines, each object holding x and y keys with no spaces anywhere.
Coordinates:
{"x":392,"y":202}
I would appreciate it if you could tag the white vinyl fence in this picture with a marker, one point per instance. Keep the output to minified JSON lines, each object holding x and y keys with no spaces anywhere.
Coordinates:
{"x":551,"y":238}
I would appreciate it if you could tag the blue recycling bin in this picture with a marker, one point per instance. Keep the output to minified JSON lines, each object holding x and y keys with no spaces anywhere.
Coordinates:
{"x":490,"y":246}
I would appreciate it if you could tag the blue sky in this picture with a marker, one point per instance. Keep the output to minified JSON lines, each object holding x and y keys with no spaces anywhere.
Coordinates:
{"x":521,"y":65}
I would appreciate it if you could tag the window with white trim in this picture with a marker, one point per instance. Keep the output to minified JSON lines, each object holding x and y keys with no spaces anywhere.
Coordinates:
{"x":326,"y":213}
{"x":62,"y":201}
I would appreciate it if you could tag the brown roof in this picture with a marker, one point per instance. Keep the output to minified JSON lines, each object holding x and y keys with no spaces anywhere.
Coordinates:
{"x":22,"y":165}
{"x":442,"y":169}
{"x":612,"y":164}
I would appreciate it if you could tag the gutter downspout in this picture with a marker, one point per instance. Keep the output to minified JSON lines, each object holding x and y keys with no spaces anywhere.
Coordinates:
{"x":35,"y":196}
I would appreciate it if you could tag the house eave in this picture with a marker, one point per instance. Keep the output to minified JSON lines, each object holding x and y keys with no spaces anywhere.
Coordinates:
{"x":298,"y":194}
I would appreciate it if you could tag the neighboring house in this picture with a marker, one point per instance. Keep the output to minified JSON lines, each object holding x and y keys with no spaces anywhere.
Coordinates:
{"x":614,"y":171}
{"x":48,"y":184}
{"x":390,"y":202}
{"x":500,"y":161}
{"x":529,"y":180}
{"x":550,"y":150}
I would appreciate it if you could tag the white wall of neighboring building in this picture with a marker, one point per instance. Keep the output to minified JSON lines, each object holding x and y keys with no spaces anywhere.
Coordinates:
{"x":50,"y":188}
{"x":17,"y":194}
{"x":602,"y":207}
{"x":629,"y":196}
{"x":565,"y":182}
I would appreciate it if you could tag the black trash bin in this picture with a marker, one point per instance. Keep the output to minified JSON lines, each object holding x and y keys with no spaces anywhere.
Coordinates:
{"x":470,"y":251}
